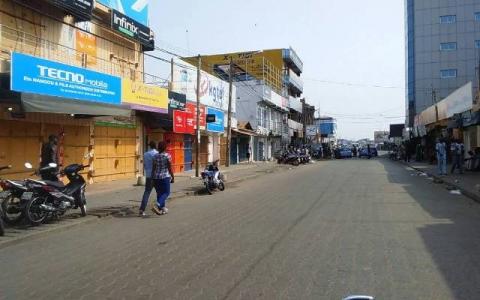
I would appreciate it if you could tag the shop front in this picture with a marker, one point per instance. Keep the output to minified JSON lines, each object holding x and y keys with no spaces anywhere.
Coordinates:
{"x":50,"y":98}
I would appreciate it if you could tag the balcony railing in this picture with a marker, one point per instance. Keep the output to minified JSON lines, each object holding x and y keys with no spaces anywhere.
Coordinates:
{"x":23,"y":42}
{"x":293,"y":81}
{"x":292,"y":59}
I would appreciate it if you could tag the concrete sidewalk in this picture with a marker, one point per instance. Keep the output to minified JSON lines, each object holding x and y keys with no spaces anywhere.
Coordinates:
{"x":468,"y":183}
{"x":107,"y":196}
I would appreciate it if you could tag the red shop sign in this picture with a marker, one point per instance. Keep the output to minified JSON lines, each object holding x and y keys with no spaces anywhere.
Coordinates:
{"x":179,"y":121}
{"x":191,"y":109}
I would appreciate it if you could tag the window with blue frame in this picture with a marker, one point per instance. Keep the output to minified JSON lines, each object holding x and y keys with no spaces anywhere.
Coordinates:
{"x":477,"y":44}
{"x":448,"y":73}
{"x":450,"y":19}
{"x":477,"y":16}
{"x":448,"y":46}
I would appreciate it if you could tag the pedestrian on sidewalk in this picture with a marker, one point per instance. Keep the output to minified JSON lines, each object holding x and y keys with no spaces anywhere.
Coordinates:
{"x":441,"y":150}
{"x":148,"y":168}
{"x":458,"y":155}
{"x":162,"y":175}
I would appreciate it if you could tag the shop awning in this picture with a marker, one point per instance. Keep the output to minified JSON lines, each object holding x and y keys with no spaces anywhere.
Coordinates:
{"x":59,"y":105}
{"x":244,"y":132}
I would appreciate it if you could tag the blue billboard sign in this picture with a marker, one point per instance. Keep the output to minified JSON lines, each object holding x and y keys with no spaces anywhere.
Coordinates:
{"x":219,"y":124}
{"x":40,"y":76}
{"x":135,"y":9}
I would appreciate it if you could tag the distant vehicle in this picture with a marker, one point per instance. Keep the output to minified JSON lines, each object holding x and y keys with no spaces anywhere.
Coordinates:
{"x":364,"y":152}
{"x":343,"y":152}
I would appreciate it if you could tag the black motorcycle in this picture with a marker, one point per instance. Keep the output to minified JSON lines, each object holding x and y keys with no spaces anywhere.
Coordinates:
{"x":2,"y":228}
{"x":12,"y":203}
{"x":48,"y":198}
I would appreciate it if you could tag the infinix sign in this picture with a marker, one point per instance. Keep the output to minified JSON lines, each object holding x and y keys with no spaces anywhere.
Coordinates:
{"x":125,"y":26}
{"x":132,"y":28}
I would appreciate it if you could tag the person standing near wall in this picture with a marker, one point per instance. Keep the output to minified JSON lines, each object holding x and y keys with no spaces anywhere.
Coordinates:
{"x":441,"y":150}
{"x":148,"y":169}
{"x":162,"y":175}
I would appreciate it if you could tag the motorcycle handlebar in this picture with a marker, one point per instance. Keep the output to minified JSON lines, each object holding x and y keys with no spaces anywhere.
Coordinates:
{"x":5,"y":167}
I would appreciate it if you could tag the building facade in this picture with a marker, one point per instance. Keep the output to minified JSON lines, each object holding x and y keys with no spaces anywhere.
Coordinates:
{"x":75,"y":72}
{"x":442,"y":50}
{"x":266,"y":81}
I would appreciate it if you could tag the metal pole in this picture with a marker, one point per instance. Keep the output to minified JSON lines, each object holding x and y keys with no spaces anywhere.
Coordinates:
{"x":171,"y":75}
{"x":197,"y":140}
{"x":229,"y":113}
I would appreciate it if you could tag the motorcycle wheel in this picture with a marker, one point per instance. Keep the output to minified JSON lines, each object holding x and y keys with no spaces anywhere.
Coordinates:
{"x":295,"y":162}
{"x":34,"y":214}
{"x":221,"y":186}
{"x":207,"y":187}
{"x":83,"y":205}
{"x":2,"y":230}
{"x":8,"y":205}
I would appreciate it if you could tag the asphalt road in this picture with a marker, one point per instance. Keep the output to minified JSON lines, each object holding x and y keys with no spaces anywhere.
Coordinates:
{"x":321,"y":231}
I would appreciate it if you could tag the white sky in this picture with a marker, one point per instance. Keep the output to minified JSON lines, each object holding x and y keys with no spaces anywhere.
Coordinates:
{"x":345,"y":41}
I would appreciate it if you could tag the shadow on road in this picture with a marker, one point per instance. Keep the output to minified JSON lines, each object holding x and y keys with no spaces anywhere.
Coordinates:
{"x":454,"y":239}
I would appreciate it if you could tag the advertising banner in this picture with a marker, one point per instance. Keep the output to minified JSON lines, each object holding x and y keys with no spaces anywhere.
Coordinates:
{"x":311,"y":130}
{"x":219,"y":124}
{"x":141,"y":96}
{"x":191,"y":110}
{"x":40,"y":76}
{"x":179,"y":121}
{"x":131,"y":28}
{"x":86,"y":43}
{"x":135,"y":9}
{"x":176,"y":102}
{"x":80,"y":8}
{"x":213,"y":91}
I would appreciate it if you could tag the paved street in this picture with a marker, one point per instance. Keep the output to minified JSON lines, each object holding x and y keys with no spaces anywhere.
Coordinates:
{"x":320,"y":231}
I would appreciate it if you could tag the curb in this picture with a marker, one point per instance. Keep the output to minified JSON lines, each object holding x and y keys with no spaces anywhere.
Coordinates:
{"x":104,"y":212}
{"x":464,"y":191}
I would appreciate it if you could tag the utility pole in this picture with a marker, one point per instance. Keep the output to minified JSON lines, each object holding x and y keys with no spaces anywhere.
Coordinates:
{"x":229,"y":113}
{"x":197,"y":132}
{"x":171,"y":75}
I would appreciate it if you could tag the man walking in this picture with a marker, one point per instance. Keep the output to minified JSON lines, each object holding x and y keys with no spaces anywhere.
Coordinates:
{"x":441,"y":150}
{"x":458,"y":154}
{"x":162,"y":176}
{"x":148,"y":168}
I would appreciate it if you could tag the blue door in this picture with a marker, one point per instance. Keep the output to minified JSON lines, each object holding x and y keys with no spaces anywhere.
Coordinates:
{"x":233,"y":151}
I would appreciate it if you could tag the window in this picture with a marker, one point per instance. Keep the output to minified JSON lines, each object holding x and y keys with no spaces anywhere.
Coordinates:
{"x":477,"y":44}
{"x":477,"y":16}
{"x":448,"y":73}
{"x":448,"y":19}
{"x":448,"y":46}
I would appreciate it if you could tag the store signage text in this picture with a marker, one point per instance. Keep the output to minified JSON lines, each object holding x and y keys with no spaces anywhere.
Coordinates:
{"x":41,"y":76}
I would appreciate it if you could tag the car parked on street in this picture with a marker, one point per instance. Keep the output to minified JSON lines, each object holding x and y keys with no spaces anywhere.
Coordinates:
{"x":343,"y":152}
{"x":364,"y":152}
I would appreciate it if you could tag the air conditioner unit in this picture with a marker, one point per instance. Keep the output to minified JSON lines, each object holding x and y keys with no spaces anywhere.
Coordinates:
{"x":4,"y":66}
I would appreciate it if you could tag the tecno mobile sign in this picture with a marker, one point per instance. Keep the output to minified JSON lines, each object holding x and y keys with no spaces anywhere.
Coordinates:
{"x":30,"y":74}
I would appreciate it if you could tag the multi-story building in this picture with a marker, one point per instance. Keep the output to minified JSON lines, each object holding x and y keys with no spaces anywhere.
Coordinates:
{"x":442,"y":50}
{"x":266,"y":81}
{"x":74,"y":69}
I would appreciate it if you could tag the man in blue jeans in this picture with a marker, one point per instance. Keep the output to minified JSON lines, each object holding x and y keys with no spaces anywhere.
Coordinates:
{"x":162,"y":178}
{"x":148,"y":167}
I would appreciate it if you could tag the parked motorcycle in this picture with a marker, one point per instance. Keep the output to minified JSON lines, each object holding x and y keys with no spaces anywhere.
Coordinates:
{"x":2,"y":227}
{"x":12,"y":203}
{"x":47,"y":198}
{"x":213,"y":179}
{"x":288,"y":157}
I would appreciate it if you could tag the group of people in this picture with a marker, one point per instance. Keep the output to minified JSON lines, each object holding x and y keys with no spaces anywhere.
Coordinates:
{"x":457,"y":150}
{"x":157,"y":164}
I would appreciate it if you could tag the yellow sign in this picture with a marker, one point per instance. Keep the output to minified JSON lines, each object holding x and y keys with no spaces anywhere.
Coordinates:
{"x":86,"y":44}
{"x":262,"y":65}
{"x":141,"y":96}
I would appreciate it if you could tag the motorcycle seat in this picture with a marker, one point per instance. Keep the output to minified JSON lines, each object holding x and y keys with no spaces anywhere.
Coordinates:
{"x":57,"y":184}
